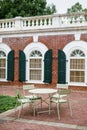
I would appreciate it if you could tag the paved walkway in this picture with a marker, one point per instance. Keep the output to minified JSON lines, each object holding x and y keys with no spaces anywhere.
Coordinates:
{"x":9,"y":121}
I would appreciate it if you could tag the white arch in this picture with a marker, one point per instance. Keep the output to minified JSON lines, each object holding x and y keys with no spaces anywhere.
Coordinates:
{"x":82,"y":45}
{"x":35,"y":46}
{"x":5,"y":48}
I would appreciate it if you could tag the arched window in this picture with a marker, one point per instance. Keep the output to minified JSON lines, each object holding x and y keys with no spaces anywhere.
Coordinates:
{"x":77,"y":66}
{"x":2,"y":65}
{"x":6,"y":63}
{"x":35,"y":65}
{"x":34,"y":53}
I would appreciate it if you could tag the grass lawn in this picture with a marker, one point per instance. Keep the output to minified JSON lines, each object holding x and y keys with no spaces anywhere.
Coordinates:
{"x":7,"y":102}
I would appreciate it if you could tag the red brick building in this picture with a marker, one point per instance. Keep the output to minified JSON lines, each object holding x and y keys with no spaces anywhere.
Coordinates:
{"x":44,"y":51}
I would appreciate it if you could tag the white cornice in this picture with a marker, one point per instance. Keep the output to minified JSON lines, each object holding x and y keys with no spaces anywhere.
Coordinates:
{"x":45,"y":32}
{"x":49,"y":30}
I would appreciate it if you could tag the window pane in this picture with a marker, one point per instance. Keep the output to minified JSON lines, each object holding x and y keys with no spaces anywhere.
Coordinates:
{"x":35,"y":54}
{"x":77,"y":53}
{"x":77,"y":64}
{"x":35,"y":63}
{"x":35,"y":74}
{"x":2,"y":62}
{"x":77,"y":76}
{"x":2,"y":73}
{"x":77,"y":70}
{"x":2,"y":54}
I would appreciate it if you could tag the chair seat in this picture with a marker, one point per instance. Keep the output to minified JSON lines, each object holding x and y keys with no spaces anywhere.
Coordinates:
{"x":32,"y":97}
{"x":58,"y":96}
{"x":59,"y":101}
{"x":24,"y":100}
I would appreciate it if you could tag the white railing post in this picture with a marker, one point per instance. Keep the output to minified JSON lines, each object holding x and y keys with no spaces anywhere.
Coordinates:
{"x":18,"y":23}
{"x":56,"y":21}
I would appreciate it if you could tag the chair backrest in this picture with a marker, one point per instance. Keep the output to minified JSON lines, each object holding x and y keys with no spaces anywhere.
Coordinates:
{"x":62,"y":86}
{"x":64,"y":92}
{"x":18,"y":93}
{"x":26,"y":88}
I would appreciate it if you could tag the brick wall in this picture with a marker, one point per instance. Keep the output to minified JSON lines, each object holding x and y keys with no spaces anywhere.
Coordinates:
{"x":52,"y":42}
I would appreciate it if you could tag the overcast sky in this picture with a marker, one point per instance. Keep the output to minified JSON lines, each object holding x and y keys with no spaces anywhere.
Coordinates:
{"x":62,"y":5}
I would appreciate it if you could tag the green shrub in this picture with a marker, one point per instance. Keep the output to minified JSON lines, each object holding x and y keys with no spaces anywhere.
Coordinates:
{"x":7,"y":102}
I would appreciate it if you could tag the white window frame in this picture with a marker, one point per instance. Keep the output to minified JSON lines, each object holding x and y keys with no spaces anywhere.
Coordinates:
{"x":28,"y":49}
{"x":37,"y":57}
{"x":6,"y":49}
{"x":77,"y":56}
{"x":4,"y":67}
{"x":70,"y":47}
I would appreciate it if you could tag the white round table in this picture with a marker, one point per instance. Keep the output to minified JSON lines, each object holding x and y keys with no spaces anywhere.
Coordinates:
{"x":42,"y":91}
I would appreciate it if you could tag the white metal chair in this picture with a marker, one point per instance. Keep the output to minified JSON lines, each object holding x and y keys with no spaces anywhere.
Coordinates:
{"x":60,"y":100}
{"x":60,"y":87}
{"x":31,"y":97}
{"x":22,"y":100}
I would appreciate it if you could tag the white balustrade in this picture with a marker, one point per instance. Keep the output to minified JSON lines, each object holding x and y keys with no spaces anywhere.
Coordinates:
{"x":4,"y":24}
{"x":44,"y":22}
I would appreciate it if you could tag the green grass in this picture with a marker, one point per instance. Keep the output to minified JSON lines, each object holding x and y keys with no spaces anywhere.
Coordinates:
{"x":7,"y":102}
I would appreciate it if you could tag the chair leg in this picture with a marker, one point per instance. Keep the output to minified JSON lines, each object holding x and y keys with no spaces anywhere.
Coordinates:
{"x":19,"y":113}
{"x":34,"y":109}
{"x":15,"y":108}
{"x":49,"y":107}
{"x":41,"y":103}
{"x":69,"y":104}
{"x":58,"y":111}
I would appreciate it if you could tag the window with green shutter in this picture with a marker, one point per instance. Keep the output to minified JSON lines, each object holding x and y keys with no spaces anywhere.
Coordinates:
{"x":22,"y":66}
{"x":48,"y":67}
{"x":61,"y":67}
{"x":10,"y":66}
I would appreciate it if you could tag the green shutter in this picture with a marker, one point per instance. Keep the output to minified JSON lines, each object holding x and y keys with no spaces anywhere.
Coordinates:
{"x":10,"y":66}
{"x":48,"y":67}
{"x":61,"y":67}
{"x":22,"y":66}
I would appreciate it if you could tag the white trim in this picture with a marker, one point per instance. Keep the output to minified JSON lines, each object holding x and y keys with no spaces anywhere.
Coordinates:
{"x":6,"y":49}
{"x":35,"y":45}
{"x":68,"y":49}
{"x":77,"y":36}
{"x":28,"y":49}
{"x":39,"y":33}
{"x":35,"y":38}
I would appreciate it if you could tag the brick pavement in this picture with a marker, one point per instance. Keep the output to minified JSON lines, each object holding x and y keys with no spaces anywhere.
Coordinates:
{"x":78,"y":121}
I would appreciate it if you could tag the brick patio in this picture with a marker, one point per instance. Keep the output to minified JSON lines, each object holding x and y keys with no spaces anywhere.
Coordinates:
{"x":9,"y":121}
